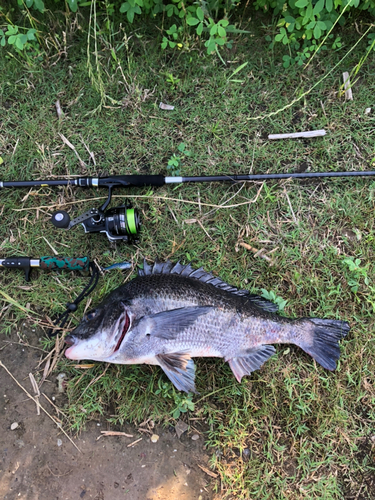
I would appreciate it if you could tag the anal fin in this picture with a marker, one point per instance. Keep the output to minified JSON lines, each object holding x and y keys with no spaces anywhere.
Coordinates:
{"x":180,"y":369}
{"x":250,"y":360}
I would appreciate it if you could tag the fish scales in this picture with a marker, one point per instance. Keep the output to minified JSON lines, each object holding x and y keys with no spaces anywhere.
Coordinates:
{"x":232,"y":314}
{"x":170,"y":314}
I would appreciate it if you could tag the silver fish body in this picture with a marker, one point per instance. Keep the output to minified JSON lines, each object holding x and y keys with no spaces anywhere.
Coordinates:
{"x":171,"y":313}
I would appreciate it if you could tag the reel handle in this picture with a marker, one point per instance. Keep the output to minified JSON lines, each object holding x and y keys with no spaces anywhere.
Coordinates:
{"x":60,"y":219}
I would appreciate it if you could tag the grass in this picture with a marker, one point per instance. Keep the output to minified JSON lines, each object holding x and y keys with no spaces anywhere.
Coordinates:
{"x":291,"y":430}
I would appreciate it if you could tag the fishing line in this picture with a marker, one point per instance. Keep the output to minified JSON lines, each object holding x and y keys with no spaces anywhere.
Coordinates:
{"x":73,"y":306}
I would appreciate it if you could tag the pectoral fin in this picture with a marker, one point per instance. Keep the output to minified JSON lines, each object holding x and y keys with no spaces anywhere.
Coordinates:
{"x":180,"y":369}
{"x":168,"y":324}
{"x":250,"y":361}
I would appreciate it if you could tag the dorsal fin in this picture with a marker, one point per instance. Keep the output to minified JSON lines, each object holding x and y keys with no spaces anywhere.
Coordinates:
{"x":200,"y":274}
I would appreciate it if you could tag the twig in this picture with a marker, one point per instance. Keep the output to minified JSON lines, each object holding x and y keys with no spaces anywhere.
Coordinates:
{"x":145,"y":430}
{"x":45,"y":358}
{"x":134,"y":442}
{"x":296,"y":135}
{"x":14,"y":149}
{"x":59,"y":111}
{"x":92,"y":156}
{"x":290,"y":206}
{"x":173,"y":215}
{"x":208,"y":472}
{"x":347,"y":86}
{"x":57,"y":352}
{"x":45,"y":411}
{"x":51,"y":247}
{"x":45,"y":371}
{"x":84,"y":367}
{"x":70,"y":145}
{"x":114,"y":433}
{"x":36,"y":391}
{"x":257,"y":253}
{"x":146,"y":197}
{"x":201,"y":225}
{"x":324,"y":111}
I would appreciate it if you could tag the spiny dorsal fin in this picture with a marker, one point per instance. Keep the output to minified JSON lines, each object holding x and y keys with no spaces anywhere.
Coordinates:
{"x":200,"y":274}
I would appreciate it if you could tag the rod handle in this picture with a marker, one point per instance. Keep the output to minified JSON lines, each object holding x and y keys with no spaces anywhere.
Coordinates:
{"x":67,"y":263}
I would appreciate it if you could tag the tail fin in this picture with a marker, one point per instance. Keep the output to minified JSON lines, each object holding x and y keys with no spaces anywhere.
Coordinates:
{"x":324,"y":338}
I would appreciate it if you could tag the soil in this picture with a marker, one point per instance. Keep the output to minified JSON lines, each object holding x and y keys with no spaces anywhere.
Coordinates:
{"x":37,"y":461}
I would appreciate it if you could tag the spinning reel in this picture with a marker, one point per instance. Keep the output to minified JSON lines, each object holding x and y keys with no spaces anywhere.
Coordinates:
{"x":120,"y":223}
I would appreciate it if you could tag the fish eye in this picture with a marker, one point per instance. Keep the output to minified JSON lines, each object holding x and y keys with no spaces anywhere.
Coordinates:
{"x":90,"y":315}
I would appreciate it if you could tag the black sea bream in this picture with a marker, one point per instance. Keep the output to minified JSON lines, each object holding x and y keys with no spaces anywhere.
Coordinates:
{"x":171,"y":313}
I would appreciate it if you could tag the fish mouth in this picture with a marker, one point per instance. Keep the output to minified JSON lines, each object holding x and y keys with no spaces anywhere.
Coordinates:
{"x":69,"y":340}
{"x":123,"y":332}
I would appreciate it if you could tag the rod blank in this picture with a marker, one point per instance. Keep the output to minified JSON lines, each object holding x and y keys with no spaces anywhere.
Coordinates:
{"x":159,"y":180}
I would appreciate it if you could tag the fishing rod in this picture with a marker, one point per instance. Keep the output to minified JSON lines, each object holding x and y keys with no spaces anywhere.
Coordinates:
{"x":160,"y":180}
{"x":122,"y":223}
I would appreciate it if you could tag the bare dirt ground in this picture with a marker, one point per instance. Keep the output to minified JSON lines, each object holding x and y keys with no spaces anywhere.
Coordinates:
{"x":37,"y":461}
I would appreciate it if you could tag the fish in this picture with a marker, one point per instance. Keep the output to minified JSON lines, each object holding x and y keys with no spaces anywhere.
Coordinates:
{"x":171,"y":313}
{"x":118,"y":265}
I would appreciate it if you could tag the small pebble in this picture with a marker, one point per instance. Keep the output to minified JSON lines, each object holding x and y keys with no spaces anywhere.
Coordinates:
{"x":180,"y":428}
{"x":14,"y":426}
{"x":59,"y":442}
{"x":367,"y":111}
{"x":195,"y":437}
{"x":60,"y":382}
{"x":154,"y":438}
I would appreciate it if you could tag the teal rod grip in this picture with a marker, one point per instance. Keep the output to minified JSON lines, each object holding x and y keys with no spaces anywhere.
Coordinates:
{"x":67,"y":263}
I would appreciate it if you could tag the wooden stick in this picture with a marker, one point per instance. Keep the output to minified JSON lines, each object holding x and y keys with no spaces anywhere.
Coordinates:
{"x":208,"y":472}
{"x":59,"y":111}
{"x":134,"y":442}
{"x":296,"y":135}
{"x":36,"y":391}
{"x":347,"y":86}
{"x":113,"y":433}
{"x":257,"y":253}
